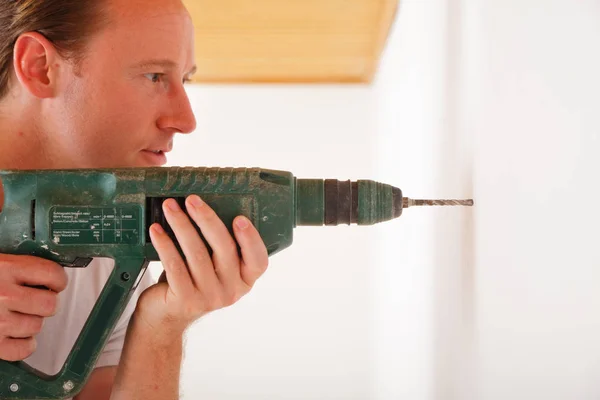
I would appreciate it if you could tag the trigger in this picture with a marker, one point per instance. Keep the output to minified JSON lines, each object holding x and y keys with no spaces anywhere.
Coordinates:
{"x":80,"y":262}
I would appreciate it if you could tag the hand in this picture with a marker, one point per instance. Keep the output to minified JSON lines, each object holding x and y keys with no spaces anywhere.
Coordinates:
{"x":204,"y":284}
{"x":23,"y":308}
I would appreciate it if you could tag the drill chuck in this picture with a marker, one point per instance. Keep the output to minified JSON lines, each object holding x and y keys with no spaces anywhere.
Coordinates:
{"x":333,"y":202}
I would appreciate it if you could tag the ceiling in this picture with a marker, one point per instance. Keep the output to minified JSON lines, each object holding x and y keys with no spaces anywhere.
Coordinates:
{"x":289,"y":41}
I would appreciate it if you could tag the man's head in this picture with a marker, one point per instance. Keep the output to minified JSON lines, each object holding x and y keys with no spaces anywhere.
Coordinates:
{"x":93,"y":83}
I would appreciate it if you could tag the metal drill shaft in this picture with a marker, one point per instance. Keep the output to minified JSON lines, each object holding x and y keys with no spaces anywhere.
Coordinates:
{"x":406,"y":202}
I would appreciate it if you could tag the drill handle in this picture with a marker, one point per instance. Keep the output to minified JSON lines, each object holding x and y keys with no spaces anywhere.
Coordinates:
{"x":20,"y":381}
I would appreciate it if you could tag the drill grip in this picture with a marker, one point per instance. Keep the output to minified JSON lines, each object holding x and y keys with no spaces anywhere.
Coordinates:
{"x":20,"y":381}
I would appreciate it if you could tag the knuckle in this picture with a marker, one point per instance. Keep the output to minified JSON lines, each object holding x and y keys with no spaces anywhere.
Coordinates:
{"x":194,"y":307}
{"x":232,"y":297}
{"x":55,"y":273}
{"x":193,"y":310}
{"x":231,"y":247}
{"x":36,"y":324}
{"x":172,"y":263}
{"x":198,"y":257}
{"x":49,"y":304}
{"x":27,"y":325}
{"x":41,"y":268}
{"x":264,"y":257}
{"x":227,"y":297}
{"x":26,"y":348}
{"x":258,"y":267}
{"x":208,"y":215}
{"x":216,"y":302}
{"x":264,"y":265}
{"x":63,"y":279}
{"x":32,"y":345}
{"x":245,"y":287}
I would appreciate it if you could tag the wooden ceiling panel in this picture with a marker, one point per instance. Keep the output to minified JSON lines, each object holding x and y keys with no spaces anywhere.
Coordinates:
{"x":282,"y":41}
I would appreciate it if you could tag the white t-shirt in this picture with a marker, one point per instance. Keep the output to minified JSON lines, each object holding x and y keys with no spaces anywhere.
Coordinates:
{"x":59,"y":332}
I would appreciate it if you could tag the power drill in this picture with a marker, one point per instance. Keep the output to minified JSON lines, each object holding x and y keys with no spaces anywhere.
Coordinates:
{"x":71,"y":216}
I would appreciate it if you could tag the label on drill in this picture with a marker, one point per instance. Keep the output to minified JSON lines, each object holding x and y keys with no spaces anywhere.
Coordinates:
{"x":95,"y":225}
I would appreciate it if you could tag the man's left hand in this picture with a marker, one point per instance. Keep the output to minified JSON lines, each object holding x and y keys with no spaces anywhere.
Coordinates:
{"x":202,"y":283}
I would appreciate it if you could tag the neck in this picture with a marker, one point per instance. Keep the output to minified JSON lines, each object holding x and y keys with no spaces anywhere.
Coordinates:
{"x":21,"y":145}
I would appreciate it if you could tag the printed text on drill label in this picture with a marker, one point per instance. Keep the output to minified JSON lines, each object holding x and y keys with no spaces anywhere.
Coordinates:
{"x":93,"y":225}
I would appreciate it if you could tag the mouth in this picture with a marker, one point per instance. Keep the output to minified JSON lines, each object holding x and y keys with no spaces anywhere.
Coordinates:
{"x":155,"y":157}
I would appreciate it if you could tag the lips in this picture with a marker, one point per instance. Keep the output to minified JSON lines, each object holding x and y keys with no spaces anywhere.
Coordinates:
{"x":156,"y":154}
{"x":155,"y":157}
{"x":159,"y":149}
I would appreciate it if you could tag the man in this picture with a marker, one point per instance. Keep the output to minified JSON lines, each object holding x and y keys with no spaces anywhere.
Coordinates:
{"x":99,"y":83}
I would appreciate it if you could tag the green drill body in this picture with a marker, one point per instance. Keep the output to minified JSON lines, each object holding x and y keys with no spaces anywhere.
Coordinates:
{"x":72,"y":216}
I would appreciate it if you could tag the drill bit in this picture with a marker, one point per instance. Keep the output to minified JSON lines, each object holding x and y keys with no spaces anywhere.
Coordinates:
{"x":406,"y":202}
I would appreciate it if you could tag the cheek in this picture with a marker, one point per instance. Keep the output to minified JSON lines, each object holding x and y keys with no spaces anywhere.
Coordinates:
{"x":116,"y":120}
{"x":125,"y":107}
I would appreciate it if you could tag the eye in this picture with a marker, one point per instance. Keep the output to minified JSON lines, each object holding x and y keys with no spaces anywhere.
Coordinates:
{"x":155,"y":77}
{"x":186,"y":80}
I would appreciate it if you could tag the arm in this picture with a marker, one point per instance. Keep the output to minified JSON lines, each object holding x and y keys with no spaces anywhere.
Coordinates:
{"x":161,"y":365}
{"x":99,"y":385}
{"x":144,"y":373}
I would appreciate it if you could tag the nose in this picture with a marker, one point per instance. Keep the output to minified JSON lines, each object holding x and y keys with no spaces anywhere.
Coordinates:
{"x":179,"y":116}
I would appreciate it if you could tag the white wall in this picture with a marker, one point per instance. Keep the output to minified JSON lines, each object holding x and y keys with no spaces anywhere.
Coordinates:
{"x":532,"y":106}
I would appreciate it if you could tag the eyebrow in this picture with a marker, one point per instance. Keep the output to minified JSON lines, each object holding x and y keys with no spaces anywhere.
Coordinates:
{"x":165,"y":63}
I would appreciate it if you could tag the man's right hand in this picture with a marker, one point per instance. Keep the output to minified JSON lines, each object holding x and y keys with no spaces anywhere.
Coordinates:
{"x":22,"y":307}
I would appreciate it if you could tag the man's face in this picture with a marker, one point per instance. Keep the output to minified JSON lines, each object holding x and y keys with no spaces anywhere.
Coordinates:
{"x":128,"y":98}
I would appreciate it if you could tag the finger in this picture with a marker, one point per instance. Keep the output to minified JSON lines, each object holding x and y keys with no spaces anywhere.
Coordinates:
{"x":255,"y":258}
{"x":199,"y":262}
{"x":17,"y":349}
{"x":176,"y":271}
{"x":26,"y":300}
{"x":225,"y":254}
{"x":37,"y":271}
{"x":17,"y":325}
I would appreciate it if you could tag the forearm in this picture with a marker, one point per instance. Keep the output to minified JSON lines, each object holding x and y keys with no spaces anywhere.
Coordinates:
{"x":150,"y":364}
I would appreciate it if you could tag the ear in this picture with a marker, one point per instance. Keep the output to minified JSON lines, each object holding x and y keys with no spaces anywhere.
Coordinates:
{"x":34,"y":61}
